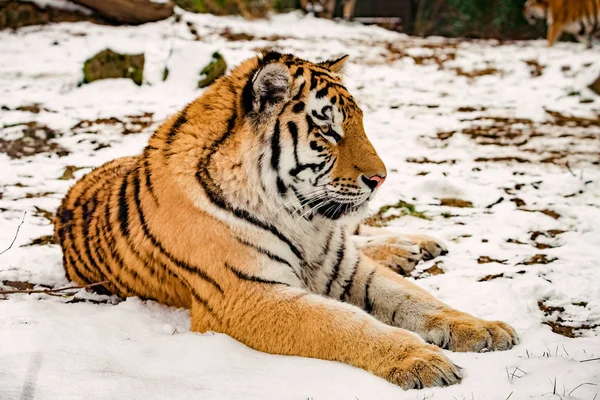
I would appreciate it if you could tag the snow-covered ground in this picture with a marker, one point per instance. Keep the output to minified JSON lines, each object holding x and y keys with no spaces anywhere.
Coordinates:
{"x":480,"y":121}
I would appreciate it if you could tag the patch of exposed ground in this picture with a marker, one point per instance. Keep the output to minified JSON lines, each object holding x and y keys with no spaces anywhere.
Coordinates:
{"x":390,"y":212}
{"x":29,"y":139}
{"x":561,"y":322}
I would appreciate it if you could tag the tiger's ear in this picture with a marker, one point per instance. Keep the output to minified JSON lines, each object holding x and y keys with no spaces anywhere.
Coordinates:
{"x":336,"y":66}
{"x":271,"y":88}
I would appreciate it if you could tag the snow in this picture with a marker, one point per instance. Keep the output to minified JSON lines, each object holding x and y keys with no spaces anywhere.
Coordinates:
{"x":411,"y":91}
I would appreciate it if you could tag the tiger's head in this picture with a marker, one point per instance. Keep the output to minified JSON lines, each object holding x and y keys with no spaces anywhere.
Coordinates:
{"x":535,"y":10}
{"x":316,"y":158}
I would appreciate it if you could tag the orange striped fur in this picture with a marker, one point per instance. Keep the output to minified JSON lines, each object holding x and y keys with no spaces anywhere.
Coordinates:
{"x":242,"y":208}
{"x":579,"y":17}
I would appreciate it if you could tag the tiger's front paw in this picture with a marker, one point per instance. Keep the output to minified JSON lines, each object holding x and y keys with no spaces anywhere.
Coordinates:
{"x":430,"y":246}
{"x":401,"y":255}
{"x":425,"y":366}
{"x":462,"y":332}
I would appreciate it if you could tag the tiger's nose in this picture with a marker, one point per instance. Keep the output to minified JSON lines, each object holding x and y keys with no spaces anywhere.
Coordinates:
{"x":373,"y":182}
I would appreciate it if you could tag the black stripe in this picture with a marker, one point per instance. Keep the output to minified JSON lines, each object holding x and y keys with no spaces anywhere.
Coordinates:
{"x":336,"y":268}
{"x":325,"y":251}
{"x":281,"y":187}
{"x":148,"y":174}
{"x":77,"y":272}
{"x":325,"y":172}
{"x":181,"y":119}
{"x":313,"y":81}
{"x":300,"y":90}
{"x":275,"y":148}
{"x":322,"y":92}
{"x":245,"y":215}
{"x":299,"y":72}
{"x":293,"y":128}
{"x":123,"y":214}
{"x":367,"y":300}
{"x":102,"y":260}
{"x":251,"y":278}
{"x":301,"y":167}
{"x":269,"y":254}
{"x":332,"y":133}
{"x":112,"y":247}
{"x":204,"y":303}
{"x":348,"y":283}
{"x":315,"y":146}
{"x":298,"y":107}
{"x":180,"y":263}
{"x":319,"y":116}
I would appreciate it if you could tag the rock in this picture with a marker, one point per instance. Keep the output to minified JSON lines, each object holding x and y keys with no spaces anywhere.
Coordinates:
{"x":15,"y":14}
{"x":108,"y":64}
{"x":213,"y":70}
{"x":132,"y":12}
{"x":595,"y":87}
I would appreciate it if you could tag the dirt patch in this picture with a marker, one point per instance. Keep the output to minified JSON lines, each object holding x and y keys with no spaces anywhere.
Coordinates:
{"x":426,"y":160}
{"x":41,"y":241}
{"x":244,"y":37}
{"x":571,"y":121}
{"x":538,"y":259}
{"x":451,"y":202}
{"x":550,"y":213}
{"x":535,"y":68}
{"x":477,"y":73}
{"x":19,"y":285}
{"x":68,"y":173}
{"x":129,"y":125}
{"x":390,"y":212}
{"x":492,"y":277}
{"x":559,"y":322}
{"x":35,"y":139}
{"x":552,"y":233}
{"x":41,"y":213}
{"x":470,"y":109}
{"x":519,"y":160}
{"x":435,"y":269}
{"x":487,"y":260}
{"x":439,"y":53}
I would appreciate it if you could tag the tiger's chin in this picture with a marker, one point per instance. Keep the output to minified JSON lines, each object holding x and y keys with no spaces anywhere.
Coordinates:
{"x":335,"y":210}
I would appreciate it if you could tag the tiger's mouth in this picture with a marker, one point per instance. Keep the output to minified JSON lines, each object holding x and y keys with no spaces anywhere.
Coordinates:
{"x":329,"y":207}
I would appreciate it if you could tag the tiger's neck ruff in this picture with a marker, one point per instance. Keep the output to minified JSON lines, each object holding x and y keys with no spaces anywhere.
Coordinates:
{"x":277,"y":148}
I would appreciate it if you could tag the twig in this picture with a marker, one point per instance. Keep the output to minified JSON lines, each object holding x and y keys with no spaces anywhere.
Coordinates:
{"x":590,"y":359}
{"x":16,"y":234}
{"x":580,"y":385}
{"x":50,"y":291}
{"x":570,"y":170}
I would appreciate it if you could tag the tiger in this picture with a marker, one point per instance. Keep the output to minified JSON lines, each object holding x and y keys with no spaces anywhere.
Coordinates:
{"x":245,"y":206}
{"x":579,"y":17}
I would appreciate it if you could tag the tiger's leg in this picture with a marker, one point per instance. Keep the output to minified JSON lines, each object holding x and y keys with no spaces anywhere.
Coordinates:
{"x":276,"y":318}
{"x":554,"y":32}
{"x":585,"y":39}
{"x":398,"y":302}
{"x":398,"y":251}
